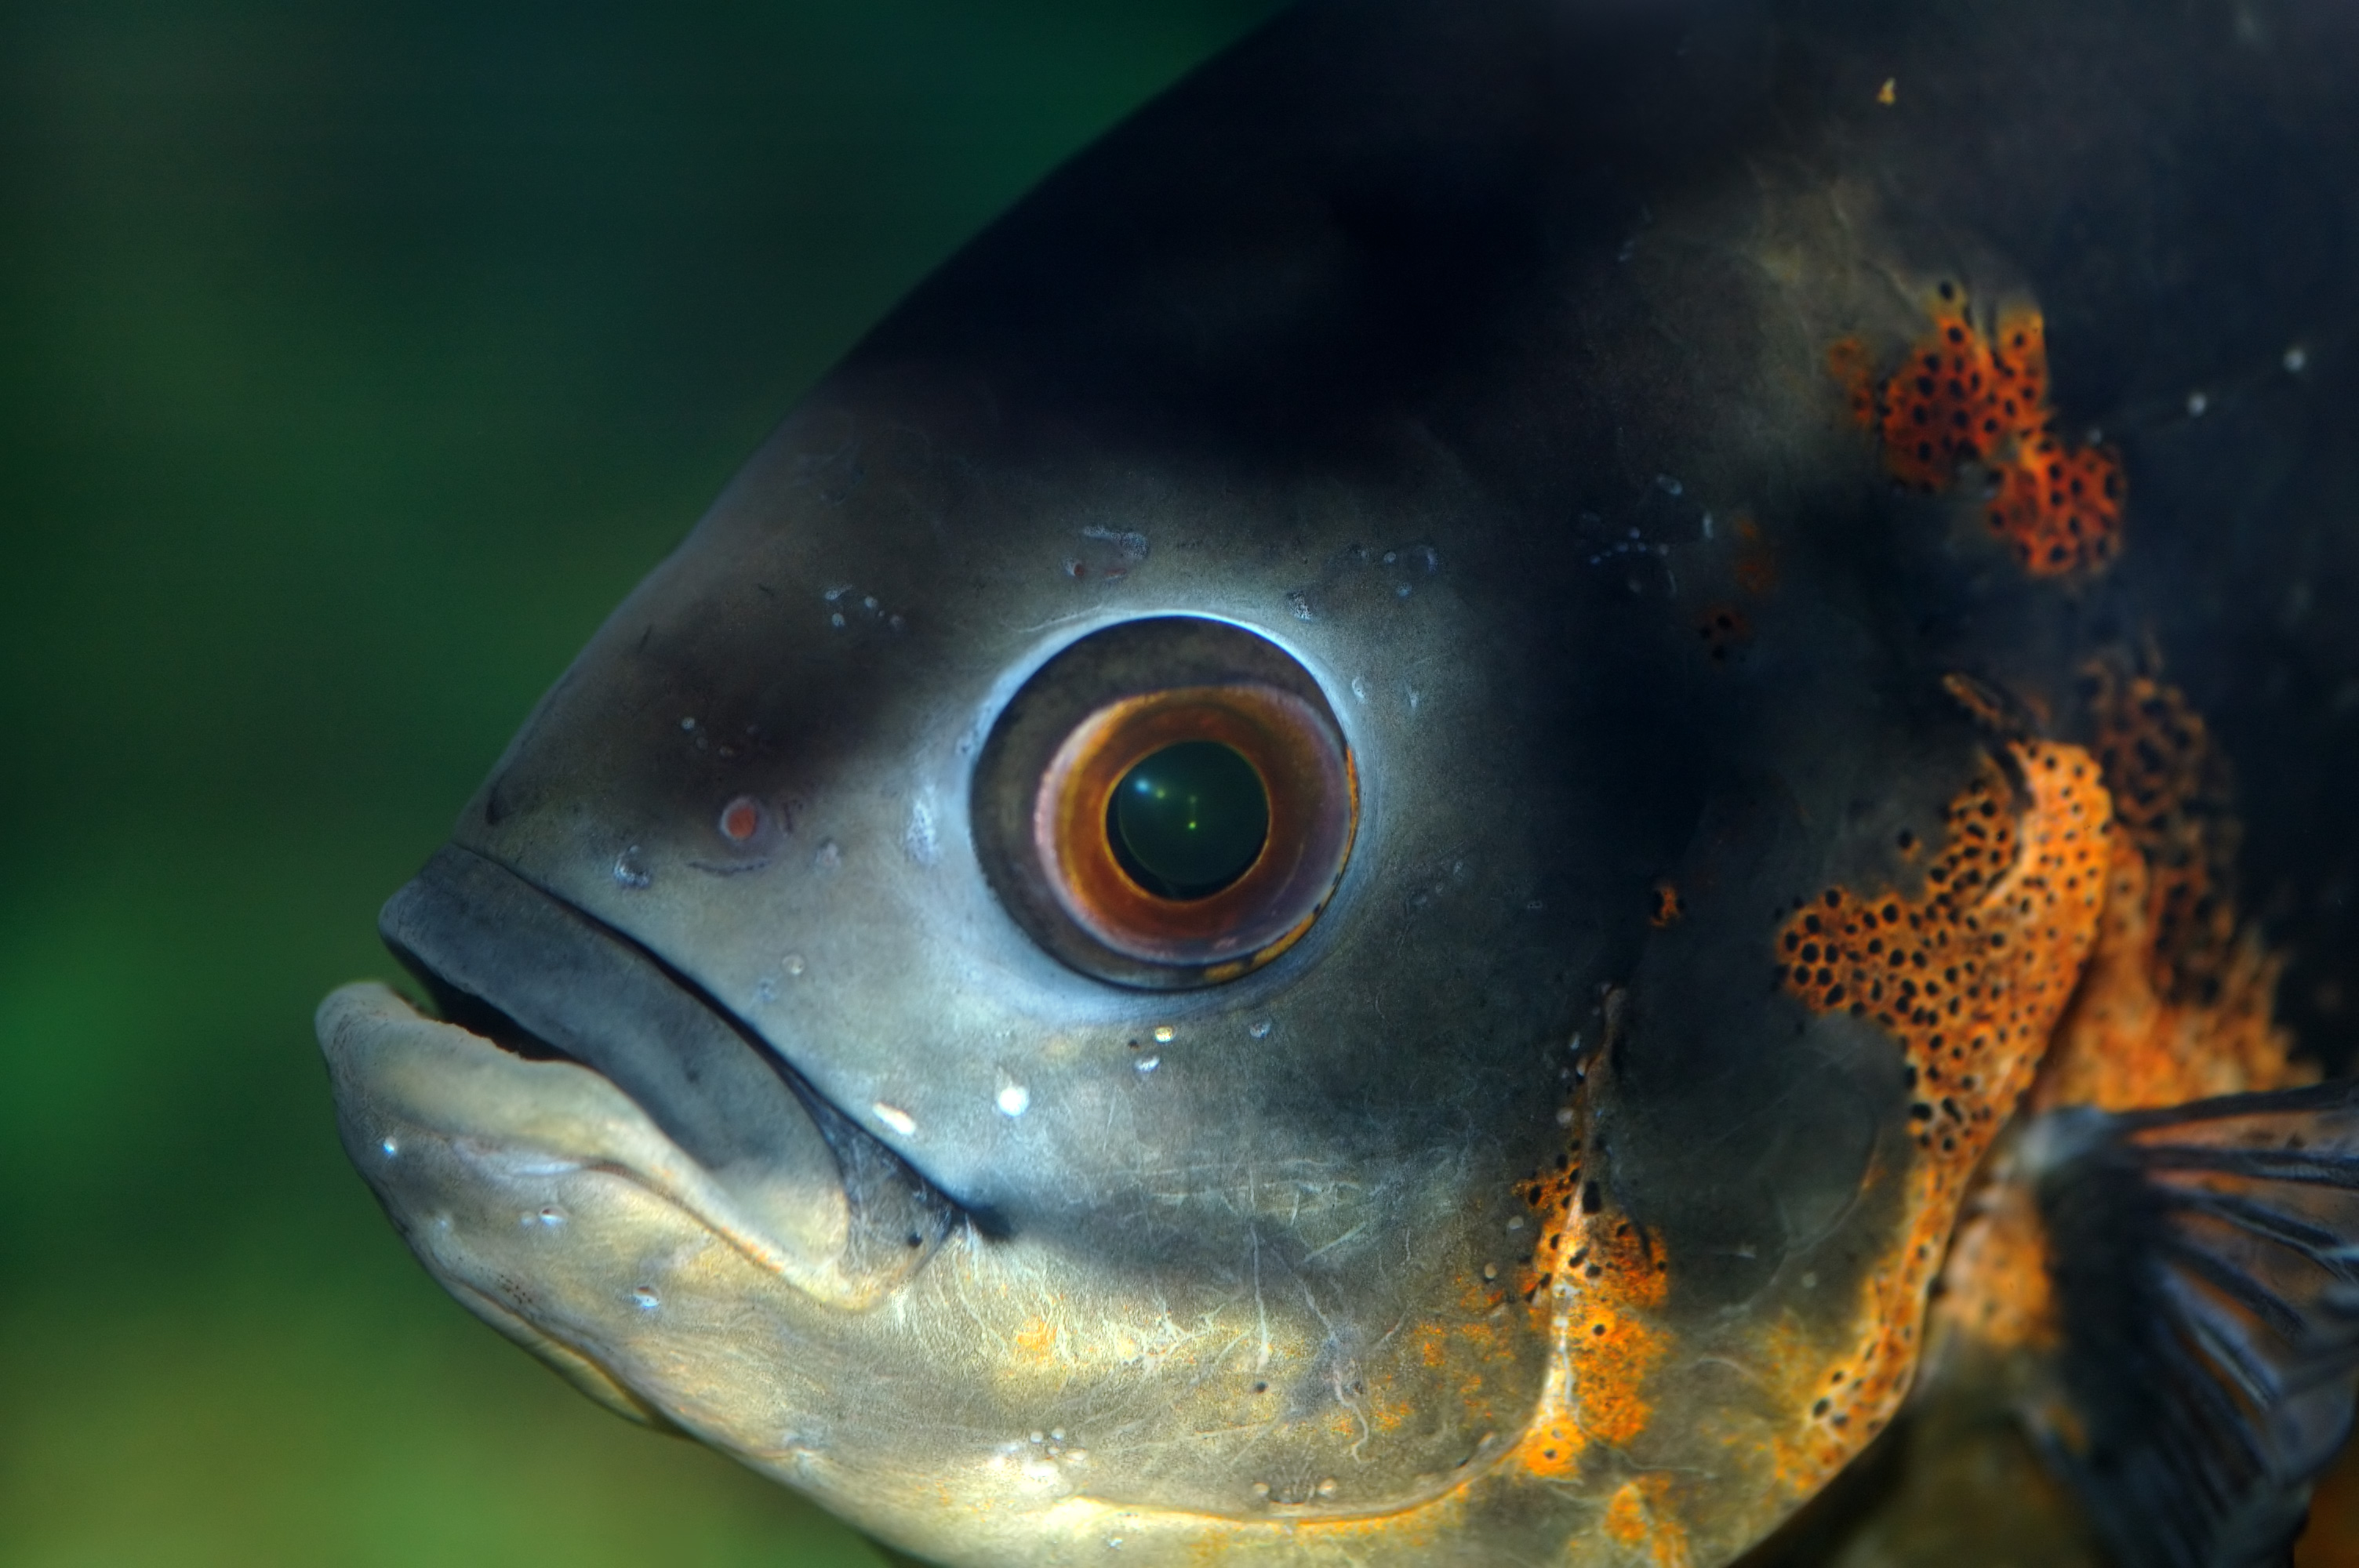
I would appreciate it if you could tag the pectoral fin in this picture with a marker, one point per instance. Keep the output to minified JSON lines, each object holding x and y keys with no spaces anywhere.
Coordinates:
{"x":2205,"y":1261}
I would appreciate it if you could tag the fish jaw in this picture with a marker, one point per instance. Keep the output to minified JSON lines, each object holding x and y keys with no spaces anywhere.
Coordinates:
{"x":427,"y":1110}
{"x":549,"y":1203}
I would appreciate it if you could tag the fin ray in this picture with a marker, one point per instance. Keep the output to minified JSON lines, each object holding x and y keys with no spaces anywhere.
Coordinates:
{"x":2206,"y":1267}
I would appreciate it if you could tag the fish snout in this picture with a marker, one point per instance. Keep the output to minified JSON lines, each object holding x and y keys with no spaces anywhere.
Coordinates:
{"x":569,"y":1060}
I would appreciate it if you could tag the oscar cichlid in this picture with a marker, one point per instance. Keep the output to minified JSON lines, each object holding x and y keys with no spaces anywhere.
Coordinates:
{"x":1537,"y":762}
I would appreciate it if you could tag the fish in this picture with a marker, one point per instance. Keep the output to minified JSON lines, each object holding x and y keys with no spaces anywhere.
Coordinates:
{"x":1552,"y":781}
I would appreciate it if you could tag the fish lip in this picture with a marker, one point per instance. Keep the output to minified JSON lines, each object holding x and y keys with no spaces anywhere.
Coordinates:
{"x":785,"y":1171}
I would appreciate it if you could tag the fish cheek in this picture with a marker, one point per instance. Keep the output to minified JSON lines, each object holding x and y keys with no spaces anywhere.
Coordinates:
{"x":1740,"y":1131}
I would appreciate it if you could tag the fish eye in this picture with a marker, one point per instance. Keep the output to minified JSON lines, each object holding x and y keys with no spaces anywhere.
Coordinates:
{"x":1166,"y":803}
{"x":1190,"y":820}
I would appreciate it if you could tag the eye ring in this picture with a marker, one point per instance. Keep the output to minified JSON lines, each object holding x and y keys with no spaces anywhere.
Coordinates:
{"x":1121,"y":704}
{"x":1266,"y":907}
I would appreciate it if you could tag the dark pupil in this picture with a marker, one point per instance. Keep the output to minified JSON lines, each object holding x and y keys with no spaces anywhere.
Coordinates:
{"x":1188,"y":820}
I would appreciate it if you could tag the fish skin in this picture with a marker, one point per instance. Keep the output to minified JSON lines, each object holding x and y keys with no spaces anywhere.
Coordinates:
{"x":1478,"y":358}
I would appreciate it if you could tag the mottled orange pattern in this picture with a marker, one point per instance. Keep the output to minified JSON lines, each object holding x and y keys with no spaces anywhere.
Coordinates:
{"x":1595,"y":1281}
{"x":1632,"y":1518}
{"x":1963,"y":397}
{"x":1970,"y":978}
{"x":2178,"y":1002}
{"x":1995,"y":1285}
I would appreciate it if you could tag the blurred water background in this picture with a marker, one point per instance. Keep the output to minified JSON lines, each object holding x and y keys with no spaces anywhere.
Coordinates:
{"x":354,"y":358}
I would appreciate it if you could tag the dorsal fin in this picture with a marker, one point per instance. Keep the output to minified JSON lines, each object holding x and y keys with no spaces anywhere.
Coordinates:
{"x":2206,"y":1265}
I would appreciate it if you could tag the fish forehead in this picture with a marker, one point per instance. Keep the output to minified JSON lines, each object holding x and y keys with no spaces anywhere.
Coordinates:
{"x":989,"y":479}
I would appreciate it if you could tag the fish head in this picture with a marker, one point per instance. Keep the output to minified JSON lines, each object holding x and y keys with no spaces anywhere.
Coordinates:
{"x":1441,"y":1166}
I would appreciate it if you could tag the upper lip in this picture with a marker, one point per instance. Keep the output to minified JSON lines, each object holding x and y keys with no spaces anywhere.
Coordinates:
{"x":508,"y":961}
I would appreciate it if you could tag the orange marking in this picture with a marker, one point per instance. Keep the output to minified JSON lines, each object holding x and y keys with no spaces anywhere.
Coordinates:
{"x":1599,"y":1283}
{"x":1667,"y":905}
{"x":1995,"y":1285}
{"x":1969,"y":979}
{"x":2173,"y":793}
{"x":1633,"y":1520}
{"x":2178,"y":1002}
{"x":1756,"y":564}
{"x":2128,"y":1043}
{"x":1961,"y":397}
{"x":1625,"y":1515}
{"x":739,"y":819}
{"x":1037,"y":1339}
{"x":1853,"y":369}
{"x":2059,"y":508}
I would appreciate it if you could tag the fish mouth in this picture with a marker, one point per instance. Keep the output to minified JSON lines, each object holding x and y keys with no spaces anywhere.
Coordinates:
{"x":563,"y":1044}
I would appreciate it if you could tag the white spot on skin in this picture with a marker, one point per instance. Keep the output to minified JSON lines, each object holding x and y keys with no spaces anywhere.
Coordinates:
{"x":646,"y":1300}
{"x":548,"y":1218}
{"x":894,"y":1116}
{"x":1163,"y":1033}
{"x":390,"y":1147}
{"x":2197,"y":401}
{"x":629,"y":871}
{"x":919,"y":838}
{"x":2297,"y":359}
{"x":1015,"y":1100}
{"x":1132,"y":544}
{"x":836,"y":620}
{"x":792,"y":964}
{"x":1148,"y":1063}
{"x":1297,"y":604}
{"x":688,"y":723}
{"x":1360,"y":688}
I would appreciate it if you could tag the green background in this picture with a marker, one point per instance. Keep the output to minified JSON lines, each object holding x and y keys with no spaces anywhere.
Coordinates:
{"x":354,"y":360}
